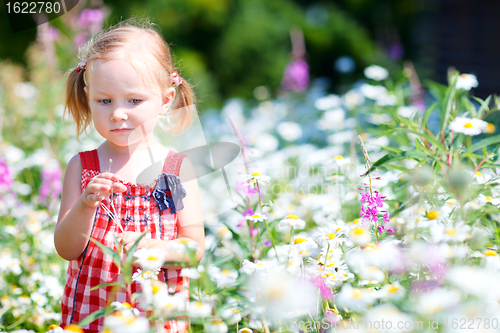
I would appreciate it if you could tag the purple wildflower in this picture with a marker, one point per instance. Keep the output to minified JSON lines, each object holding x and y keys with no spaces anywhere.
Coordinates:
{"x":371,"y":202}
{"x":267,"y":242}
{"x":5,"y":176}
{"x":296,"y":76}
{"x":91,"y":20}
{"x":323,"y":288}
{"x":245,"y":188}
{"x":51,"y":183}
{"x":364,"y":196}
{"x":253,"y":232}
{"x":248,"y":212}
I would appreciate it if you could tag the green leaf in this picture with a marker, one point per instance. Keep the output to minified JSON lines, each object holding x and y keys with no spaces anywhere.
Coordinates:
{"x":109,"y":284}
{"x":106,"y":249}
{"x":413,"y":154}
{"x":420,"y":146}
{"x":93,"y":316}
{"x":485,"y":142}
{"x":391,"y":149}
{"x":469,"y":106}
{"x":127,"y":267}
{"x":429,"y":138}
{"x":484,"y":105}
{"x":448,"y":103}
{"x":427,"y":113}
{"x":490,"y":166}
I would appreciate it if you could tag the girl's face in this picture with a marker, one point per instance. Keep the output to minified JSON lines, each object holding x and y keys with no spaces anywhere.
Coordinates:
{"x":123,"y":110}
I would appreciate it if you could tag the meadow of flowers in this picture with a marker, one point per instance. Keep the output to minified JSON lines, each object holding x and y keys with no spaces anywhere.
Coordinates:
{"x":371,"y":211}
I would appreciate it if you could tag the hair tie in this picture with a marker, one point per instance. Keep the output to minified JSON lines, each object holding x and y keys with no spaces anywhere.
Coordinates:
{"x":176,"y":79}
{"x":81,"y":66}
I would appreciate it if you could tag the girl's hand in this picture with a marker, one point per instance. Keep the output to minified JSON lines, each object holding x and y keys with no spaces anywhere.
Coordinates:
{"x":100,"y":187}
{"x":129,"y":238}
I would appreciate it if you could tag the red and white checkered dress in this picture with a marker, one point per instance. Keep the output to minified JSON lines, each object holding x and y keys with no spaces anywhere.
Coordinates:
{"x":138,"y":210}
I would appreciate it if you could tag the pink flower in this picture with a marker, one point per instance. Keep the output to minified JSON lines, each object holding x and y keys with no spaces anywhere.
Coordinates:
{"x":51,"y":183}
{"x":5,"y":176}
{"x":296,"y":76}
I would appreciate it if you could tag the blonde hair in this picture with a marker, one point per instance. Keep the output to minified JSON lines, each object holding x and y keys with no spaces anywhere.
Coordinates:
{"x":146,"y":50}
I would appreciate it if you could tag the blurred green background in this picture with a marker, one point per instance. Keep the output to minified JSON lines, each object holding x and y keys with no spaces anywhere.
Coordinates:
{"x":229,"y":47}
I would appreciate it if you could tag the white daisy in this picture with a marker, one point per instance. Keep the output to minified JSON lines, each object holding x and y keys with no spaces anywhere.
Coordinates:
{"x":360,"y":236}
{"x":392,"y":291}
{"x":199,"y":309}
{"x":376,"y":73}
{"x":216,"y":326}
{"x":328,"y":102}
{"x":142,"y":275}
{"x":468,"y":126}
{"x":257,"y":177}
{"x":150,"y":259}
{"x":407,"y":111}
{"x":292,"y":221}
{"x":190,"y":272}
{"x":255,"y":217}
{"x":467,"y":81}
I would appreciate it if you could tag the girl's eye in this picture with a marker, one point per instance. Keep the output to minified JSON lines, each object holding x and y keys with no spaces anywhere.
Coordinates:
{"x":103,"y":101}
{"x":136,"y":101}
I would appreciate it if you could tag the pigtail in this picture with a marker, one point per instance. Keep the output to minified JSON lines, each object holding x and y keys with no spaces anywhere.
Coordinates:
{"x":77,"y":104}
{"x":182,"y":113}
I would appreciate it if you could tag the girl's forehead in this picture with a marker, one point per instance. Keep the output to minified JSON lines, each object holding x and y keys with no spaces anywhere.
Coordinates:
{"x":117,"y":73}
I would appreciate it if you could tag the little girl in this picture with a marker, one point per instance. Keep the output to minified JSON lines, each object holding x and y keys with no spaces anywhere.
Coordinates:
{"x":124,"y":83}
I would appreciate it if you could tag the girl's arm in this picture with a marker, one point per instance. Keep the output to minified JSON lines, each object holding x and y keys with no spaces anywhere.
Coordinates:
{"x":76,"y":214}
{"x":190,"y":222}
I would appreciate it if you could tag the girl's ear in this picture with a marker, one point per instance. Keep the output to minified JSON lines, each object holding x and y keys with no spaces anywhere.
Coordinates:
{"x":168,"y":98}
{"x":86,"y":91}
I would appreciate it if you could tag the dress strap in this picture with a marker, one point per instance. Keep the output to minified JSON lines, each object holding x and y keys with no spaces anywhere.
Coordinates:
{"x":90,"y":160}
{"x":173,"y":163}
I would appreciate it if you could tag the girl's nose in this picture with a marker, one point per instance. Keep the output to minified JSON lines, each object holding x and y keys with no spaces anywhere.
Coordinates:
{"x":119,"y":114}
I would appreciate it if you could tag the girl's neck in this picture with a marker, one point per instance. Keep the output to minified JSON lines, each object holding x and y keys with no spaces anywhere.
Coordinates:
{"x":128,"y":161}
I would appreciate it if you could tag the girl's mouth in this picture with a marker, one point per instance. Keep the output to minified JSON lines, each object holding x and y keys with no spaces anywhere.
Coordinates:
{"x":121,"y":130}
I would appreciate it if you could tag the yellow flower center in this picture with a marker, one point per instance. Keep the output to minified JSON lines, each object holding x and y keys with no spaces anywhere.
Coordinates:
{"x":255,"y":216}
{"x":427,"y":187}
{"x":255,"y":174}
{"x":463,"y":76}
{"x":331,"y":235}
{"x":184,"y":241}
{"x":155,"y":289}
{"x":152,"y":258}
{"x":275,"y":293}
{"x":357,"y":293}
{"x":477,"y":173}
{"x":339,"y":157}
{"x":334,"y":311}
{"x":245,"y":330}
{"x":51,"y":327}
{"x":488,"y":198}
{"x":491,"y":128}
{"x":299,"y":240}
{"x":393,"y":289}
{"x":127,"y":305}
{"x":468,"y":125}
{"x":226,"y":272}
{"x":73,"y":328}
{"x":451,"y":232}
{"x":433,"y":214}
{"x":490,"y":253}
{"x":358,"y":231}
{"x":292,"y":216}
